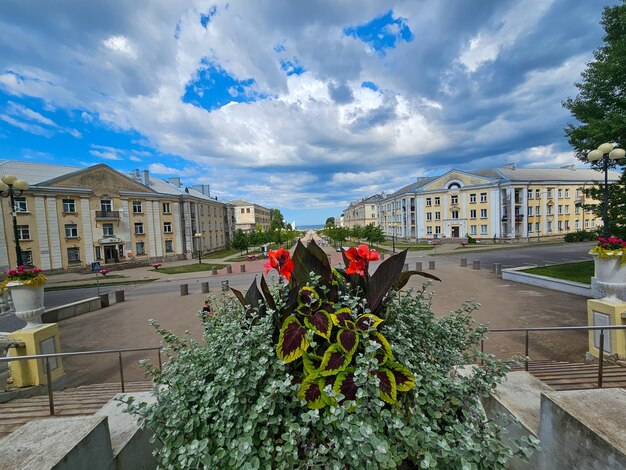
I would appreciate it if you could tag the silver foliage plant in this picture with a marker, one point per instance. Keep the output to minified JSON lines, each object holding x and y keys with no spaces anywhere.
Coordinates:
{"x":228,"y":402}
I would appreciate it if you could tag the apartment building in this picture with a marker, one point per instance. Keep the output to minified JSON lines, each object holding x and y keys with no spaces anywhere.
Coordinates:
{"x":71,"y":217}
{"x":250,"y":216}
{"x":363,"y":212}
{"x":507,"y":202}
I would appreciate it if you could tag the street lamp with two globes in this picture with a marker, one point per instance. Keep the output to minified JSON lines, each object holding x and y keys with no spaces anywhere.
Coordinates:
{"x":11,"y":186}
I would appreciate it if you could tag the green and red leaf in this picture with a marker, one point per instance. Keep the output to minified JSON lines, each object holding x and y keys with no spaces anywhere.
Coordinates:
{"x":347,"y":340}
{"x":308,"y":300}
{"x":387,"y":385}
{"x":367,"y":321}
{"x":312,"y":391}
{"x":405,"y":381}
{"x":344,"y":384}
{"x":334,"y":360}
{"x":292,"y":341}
{"x":312,"y":363}
{"x":341,"y":316}
{"x":385,"y":347}
{"x":320,"y":323}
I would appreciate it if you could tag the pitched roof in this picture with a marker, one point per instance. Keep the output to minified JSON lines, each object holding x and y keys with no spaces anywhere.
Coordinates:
{"x":35,"y":173}
{"x":555,"y":174}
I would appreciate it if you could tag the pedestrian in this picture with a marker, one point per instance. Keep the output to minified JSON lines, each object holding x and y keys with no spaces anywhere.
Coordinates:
{"x":206,"y":309}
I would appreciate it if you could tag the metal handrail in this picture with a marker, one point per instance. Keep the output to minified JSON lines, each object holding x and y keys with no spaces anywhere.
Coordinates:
{"x":557,"y":328}
{"x":45,"y":358}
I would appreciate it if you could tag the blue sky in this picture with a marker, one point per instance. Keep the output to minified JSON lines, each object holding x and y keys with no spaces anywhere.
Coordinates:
{"x":304,"y":106}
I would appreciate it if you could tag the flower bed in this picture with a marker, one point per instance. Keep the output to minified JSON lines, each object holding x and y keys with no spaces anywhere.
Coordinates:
{"x":329,"y":368}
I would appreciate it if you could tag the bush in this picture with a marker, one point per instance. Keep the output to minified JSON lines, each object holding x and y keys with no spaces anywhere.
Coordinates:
{"x":230,"y":403}
{"x":582,"y":236}
{"x":471,"y":240}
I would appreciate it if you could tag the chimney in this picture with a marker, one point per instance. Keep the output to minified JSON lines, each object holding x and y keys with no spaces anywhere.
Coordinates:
{"x":202,"y":188}
{"x":136,"y":173}
{"x":146,"y":178}
{"x":175,"y":180}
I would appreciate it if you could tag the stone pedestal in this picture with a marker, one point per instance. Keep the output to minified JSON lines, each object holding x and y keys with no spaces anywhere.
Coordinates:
{"x":40,"y":340}
{"x":605,"y":312}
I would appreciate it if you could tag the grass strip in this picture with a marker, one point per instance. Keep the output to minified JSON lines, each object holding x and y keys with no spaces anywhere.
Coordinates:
{"x":576,"y":272}
{"x":190,"y":268}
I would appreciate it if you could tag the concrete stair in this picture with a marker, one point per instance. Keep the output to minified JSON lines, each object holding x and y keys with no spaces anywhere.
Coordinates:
{"x":80,"y":401}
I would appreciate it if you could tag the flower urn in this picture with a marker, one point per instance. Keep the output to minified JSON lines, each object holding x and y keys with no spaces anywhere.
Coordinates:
{"x":610,"y":274}
{"x":28,"y":302}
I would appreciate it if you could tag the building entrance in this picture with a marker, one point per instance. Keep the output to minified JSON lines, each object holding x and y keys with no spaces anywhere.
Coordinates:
{"x":455,"y":232}
{"x":111,"y":254}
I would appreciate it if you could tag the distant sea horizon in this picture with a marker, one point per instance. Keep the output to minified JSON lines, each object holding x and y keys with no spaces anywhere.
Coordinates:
{"x":309,"y":227}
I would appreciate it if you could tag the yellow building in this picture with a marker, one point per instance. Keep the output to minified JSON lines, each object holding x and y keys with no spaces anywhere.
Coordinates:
{"x":363,"y":212}
{"x":71,"y":217}
{"x":507,"y":202}
{"x":250,"y":216}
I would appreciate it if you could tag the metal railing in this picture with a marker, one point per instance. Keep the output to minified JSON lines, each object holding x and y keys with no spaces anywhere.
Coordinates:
{"x":45,"y":359}
{"x":559,"y":328}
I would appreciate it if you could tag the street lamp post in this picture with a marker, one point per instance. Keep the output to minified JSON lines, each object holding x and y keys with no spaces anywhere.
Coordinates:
{"x":606,"y":152}
{"x":393,"y":238}
{"x":198,"y":236}
{"x":11,"y":186}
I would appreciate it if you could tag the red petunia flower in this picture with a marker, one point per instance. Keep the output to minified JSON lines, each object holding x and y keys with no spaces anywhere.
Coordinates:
{"x":359,"y":259}
{"x":280,"y":260}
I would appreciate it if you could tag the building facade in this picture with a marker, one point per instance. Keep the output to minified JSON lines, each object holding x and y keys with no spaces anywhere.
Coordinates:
{"x":363,"y":212}
{"x":250,"y":216}
{"x":71,"y":217}
{"x":506,"y":202}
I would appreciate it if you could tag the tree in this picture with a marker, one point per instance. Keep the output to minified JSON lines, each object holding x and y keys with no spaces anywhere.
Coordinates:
{"x":277,"y":221}
{"x":330,"y":222}
{"x":240,"y":240}
{"x":600,"y":109}
{"x":373,"y":234}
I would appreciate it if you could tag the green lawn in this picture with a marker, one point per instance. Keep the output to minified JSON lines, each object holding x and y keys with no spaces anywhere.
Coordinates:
{"x":190,"y":268}
{"x":577,"y":272}
{"x":93,"y":284}
{"x":221,"y":254}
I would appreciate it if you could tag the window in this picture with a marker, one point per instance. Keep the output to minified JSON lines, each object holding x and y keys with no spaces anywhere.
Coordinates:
{"x":23,"y":232}
{"x":140,"y":248}
{"x":537,"y":194}
{"x":567,"y":225}
{"x":429,"y":216}
{"x":437,"y":215}
{"x":559,"y":193}
{"x":71,"y":231}
{"x":578,"y":193}
{"x":472,"y":198}
{"x":137,"y":209}
{"x":549,"y":210}
{"x":483,"y":213}
{"x":107,"y":230}
{"x":529,"y":227}
{"x":437,"y":229}
{"x":472,"y":213}
{"x":483,"y":229}
{"x":530,"y":194}
{"x":20,"y":204}
{"x":567,"y":193}
{"x":454,"y":199}
{"x":455,"y":214}
{"x":537,"y":210}
{"x":577,"y":224}
{"x":167,"y":227}
{"x":73,"y":255}
{"x":529,"y":212}
{"x":577,"y":210}
{"x":483,"y":197}
{"x":139,"y":228}
{"x":429,"y":230}
{"x":69,"y":206}
{"x":587,"y":223}
{"x":243,"y":211}
{"x":560,"y":209}
{"x":106,"y":205}
{"x":549,"y":225}
{"x":560,"y":225}
{"x":473,"y":229}
{"x":98,"y":253}
{"x":549,"y":193}
{"x":536,"y":226}
{"x":166,"y":208}
{"x":566,"y":208}
{"x":437,"y":201}
{"x":429,"y":202}
{"x":169,"y":247}
{"x":247,"y":210}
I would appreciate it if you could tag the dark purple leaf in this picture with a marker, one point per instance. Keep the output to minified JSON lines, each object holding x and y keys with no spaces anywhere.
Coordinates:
{"x":384,"y":279}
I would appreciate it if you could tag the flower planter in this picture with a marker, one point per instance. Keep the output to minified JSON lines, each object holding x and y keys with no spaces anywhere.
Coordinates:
{"x":28,"y":303}
{"x":610,"y":274}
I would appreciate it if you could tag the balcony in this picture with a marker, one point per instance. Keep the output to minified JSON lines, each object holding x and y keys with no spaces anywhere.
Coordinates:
{"x":519,"y":218}
{"x":107,"y":215}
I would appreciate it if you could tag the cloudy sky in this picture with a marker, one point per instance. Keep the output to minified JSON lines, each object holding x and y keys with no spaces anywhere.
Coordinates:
{"x":304,"y":106}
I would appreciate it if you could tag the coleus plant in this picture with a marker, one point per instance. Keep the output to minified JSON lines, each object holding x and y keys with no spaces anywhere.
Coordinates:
{"x":318,"y":334}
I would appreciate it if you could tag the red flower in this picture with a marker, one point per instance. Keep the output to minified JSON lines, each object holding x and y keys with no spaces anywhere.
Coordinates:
{"x":280,"y":260}
{"x":359,"y":259}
